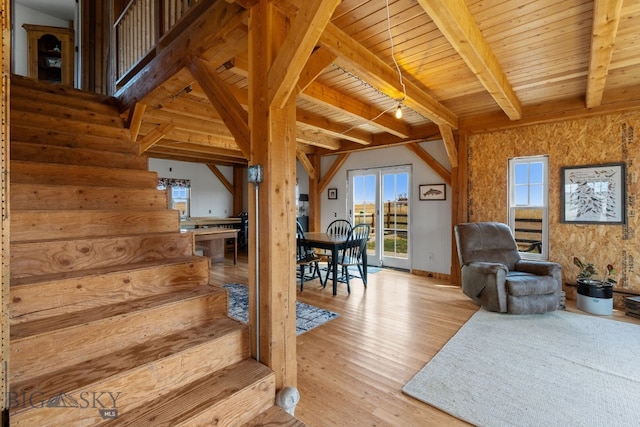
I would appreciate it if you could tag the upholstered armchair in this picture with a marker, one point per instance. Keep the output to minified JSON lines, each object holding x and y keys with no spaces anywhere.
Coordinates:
{"x":496,"y":278}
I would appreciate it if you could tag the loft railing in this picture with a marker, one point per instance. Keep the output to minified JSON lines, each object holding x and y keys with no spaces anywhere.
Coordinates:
{"x":140,"y":29}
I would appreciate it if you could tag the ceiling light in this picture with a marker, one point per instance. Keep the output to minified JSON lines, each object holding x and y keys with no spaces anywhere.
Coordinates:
{"x":399,"y":112}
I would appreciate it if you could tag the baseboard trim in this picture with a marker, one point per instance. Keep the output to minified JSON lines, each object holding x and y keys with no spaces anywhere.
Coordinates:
{"x":432,"y":274}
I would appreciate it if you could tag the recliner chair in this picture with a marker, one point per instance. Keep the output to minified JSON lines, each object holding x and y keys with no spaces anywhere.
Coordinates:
{"x":495,"y":277}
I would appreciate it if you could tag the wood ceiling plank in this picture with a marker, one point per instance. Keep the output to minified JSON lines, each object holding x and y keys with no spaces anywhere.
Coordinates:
{"x":355,"y":58}
{"x":167,"y":142}
{"x":458,"y":26}
{"x":305,"y":31}
{"x":234,"y":116}
{"x":606,"y":18}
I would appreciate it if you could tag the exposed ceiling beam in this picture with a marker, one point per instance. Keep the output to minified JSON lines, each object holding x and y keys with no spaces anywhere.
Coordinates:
{"x":223,"y":179}
{"x":306,"y":163}
{"x":135,"y":119}
{"x":317,"y":138}
{"x":301,"y":38}
{"x":329,"y":97}
{"x":319,"y":60}
{"x":234,"y":116}
{"x":454,"y":20}
{"x":606,"y":17}
{"x":185,"y":156}
{"x":225,"y":19}
{"x":152,"y":138}
{"x":333,"y":129}
{"x":430,"y":161}
{"x":357,"y":59}
{"x":449,"y":145}
{"x":335,"y":167}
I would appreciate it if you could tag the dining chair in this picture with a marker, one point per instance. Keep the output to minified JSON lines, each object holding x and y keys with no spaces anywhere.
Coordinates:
{"x":305,"y":256}
{"x":339,"y":227}
{"x":351,"y":255}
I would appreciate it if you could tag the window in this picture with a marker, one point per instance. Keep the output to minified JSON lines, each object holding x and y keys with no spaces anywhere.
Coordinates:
{"x":528,"y":200}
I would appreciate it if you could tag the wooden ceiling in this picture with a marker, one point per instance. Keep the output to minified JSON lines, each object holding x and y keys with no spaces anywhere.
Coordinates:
{"x":454,"y":66}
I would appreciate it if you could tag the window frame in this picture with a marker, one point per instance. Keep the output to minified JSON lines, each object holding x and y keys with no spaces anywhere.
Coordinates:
{"x":512,"y":207}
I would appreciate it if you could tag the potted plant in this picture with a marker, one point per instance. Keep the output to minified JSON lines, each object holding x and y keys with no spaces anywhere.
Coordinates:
{"x":595,"y":293}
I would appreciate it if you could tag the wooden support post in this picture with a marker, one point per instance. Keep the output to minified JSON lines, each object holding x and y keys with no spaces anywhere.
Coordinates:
{"x":4,"y":188}
{"x":459,"y":211}
{"x":238,"y":188}
{"x":273,"y":145}
{"x":314,"y":195}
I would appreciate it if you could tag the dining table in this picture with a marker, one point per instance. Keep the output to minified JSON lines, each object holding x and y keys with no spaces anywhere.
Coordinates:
{"x":334,"y":243}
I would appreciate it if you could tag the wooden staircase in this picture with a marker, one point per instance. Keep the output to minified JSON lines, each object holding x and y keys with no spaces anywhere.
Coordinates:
{"x":113,"y":319}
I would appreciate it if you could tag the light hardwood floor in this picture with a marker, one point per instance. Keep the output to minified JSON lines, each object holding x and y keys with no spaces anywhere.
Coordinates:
{"x":351,"y":370}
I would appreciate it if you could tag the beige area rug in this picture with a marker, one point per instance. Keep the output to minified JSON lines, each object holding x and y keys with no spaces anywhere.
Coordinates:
{"x":555,"y":369}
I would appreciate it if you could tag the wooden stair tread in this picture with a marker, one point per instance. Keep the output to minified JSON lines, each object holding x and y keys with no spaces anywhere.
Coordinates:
{"x":82,"y":318}
{"x":274,"y":416}
{"x":229,"y":396}
{"x":142,"y":265}
{"x":122,"y":361}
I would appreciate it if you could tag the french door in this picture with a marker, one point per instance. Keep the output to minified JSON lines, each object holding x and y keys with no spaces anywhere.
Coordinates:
{"x":380,"y":197}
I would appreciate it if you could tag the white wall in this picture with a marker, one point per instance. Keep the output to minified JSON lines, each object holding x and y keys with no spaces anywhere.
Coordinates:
{"x":430,"y":220}
{"x":208,"y":196}
{"x":24,"y":15}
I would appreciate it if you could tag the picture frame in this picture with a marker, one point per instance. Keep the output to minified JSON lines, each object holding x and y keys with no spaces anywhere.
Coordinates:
{"x":433,"y":192}
{"x":593,"y":194}
{"x":332,"y":193}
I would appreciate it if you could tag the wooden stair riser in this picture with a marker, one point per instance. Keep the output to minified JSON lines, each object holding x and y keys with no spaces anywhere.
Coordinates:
{"x":97,"y":106}
{"x":228,"y":397}
{"x":160,"y":371}
{"x":38,"y":105}
{"x":51,"y":173}
{"x":49,"y":225}
{"x":38,"y":196}
{"x":58,"y":89}
{"x":57,"y":297}
{"x":42,"y":258}
{"x":64,"y":138}
{"x":27,"y":151}
{"x":71,"y":345}
{"x":69,"y":125}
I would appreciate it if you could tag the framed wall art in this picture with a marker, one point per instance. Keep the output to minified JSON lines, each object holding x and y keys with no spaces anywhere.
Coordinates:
{"x":332,"y":193}
{"x":433,"y":192}
{"x":593,"y":194}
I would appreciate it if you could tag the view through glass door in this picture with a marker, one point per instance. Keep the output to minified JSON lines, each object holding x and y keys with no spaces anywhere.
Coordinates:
{"x":380,"y":198}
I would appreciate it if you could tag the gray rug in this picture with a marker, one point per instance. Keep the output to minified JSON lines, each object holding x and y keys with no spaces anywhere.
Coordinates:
{"x":307,"y":316}
{"x":556,"y":369}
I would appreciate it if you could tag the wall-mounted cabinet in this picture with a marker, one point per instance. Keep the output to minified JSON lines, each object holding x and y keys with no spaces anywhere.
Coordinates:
{"x":51,"y":53}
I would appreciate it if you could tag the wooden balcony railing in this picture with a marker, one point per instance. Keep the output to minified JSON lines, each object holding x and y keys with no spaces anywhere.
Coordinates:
{"x":141,"y":28}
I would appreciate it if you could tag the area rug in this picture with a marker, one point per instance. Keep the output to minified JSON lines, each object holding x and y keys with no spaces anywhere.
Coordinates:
{"x":555,"y":369}
{"x":307,"y":316}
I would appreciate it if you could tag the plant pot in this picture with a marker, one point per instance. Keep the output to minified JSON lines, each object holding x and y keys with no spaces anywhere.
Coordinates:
{"x":595,"y":297}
